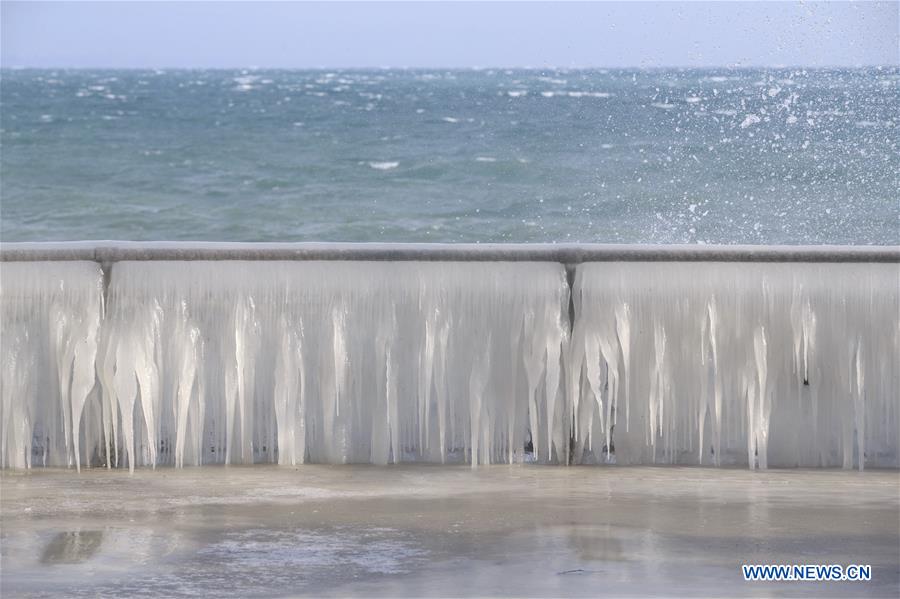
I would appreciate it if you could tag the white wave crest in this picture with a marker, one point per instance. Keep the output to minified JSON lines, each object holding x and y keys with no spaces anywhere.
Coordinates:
{"x":384,"y":166}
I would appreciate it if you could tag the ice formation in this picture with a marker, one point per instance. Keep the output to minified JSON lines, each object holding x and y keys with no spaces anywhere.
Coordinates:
{"x":192,"y":362}
{"x":51,"y":315}
{"x":719,"y":363}
{"x":241,"y":362}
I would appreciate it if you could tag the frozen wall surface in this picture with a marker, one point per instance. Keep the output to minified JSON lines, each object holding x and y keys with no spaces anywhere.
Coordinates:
{"x":198,"y":362}
{"x":49,"y":330}
{"x":241,"y":362}
{"x":719,"y":363}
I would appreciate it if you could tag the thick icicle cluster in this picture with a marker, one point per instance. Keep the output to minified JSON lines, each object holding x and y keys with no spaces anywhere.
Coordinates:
{"x":760,"y":364}
{"x":51,"y":315}
{"x":238,"y":362}
{"x":241,"y":362}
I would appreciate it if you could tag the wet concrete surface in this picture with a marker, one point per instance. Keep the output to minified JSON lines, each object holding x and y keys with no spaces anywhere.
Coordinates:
{"x":442,"y":531}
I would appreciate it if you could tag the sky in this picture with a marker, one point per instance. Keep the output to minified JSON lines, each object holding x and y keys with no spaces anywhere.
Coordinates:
{"x":433,"y":35}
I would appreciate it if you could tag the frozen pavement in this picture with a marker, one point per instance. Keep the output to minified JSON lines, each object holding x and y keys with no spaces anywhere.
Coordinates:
{"x":442,"y":531}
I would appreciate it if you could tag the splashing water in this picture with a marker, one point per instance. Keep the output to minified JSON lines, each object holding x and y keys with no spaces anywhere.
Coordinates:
{"x":717,"y":156}
{"x":187,"y":363}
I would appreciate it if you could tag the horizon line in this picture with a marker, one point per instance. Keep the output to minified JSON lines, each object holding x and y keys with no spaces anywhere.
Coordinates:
{"x":450,"y":68}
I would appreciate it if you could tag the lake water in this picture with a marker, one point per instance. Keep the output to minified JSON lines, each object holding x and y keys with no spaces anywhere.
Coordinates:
{"x":661,"y":156}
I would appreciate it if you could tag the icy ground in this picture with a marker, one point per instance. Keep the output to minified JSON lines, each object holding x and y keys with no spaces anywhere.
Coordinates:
{"x":441,"y":531}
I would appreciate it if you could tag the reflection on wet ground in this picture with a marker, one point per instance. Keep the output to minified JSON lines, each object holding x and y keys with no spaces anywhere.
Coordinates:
{"x":72,"y":547}
{"x":441,"y":531}
{"x":596,"y":543}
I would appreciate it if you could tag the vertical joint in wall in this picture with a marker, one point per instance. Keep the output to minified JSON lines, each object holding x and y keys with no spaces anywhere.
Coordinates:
{"x":570,"y":281}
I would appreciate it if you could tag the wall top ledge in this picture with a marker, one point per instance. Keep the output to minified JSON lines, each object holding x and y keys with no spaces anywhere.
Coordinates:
{"x":566,"y":253}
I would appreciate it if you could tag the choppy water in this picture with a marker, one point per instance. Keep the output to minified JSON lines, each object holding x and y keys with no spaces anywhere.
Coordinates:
{"x":730,"y":156}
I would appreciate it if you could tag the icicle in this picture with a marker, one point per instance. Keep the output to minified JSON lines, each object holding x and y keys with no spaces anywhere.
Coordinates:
{"x":783,"y":364}
{"x":227,"y":362}
{"x":50,"y":321}
{"x":334,"y":362}
{"x":623,"y":332}
{"x":760,"y":429}
{"x":859,"y":403}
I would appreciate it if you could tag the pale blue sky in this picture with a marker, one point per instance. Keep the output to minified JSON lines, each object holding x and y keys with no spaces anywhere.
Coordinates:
{"x":376,"y":34}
